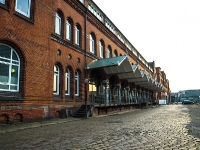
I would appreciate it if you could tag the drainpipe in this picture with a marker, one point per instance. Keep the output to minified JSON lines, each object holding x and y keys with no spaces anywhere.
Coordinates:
{"x":86,"y":84}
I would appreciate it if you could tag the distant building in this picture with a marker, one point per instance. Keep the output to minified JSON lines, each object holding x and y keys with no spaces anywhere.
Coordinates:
{"x":189,"y":94}
{"x":57,"y":55}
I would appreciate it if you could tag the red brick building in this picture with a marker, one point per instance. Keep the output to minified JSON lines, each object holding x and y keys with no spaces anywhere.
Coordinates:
{"x":61,"y":54}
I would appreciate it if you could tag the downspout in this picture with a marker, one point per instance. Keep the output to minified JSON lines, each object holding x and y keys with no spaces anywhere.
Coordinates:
{"x":86,"y":82}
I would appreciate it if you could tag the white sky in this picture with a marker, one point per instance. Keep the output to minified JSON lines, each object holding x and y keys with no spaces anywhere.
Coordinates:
{"x":166,"y":31}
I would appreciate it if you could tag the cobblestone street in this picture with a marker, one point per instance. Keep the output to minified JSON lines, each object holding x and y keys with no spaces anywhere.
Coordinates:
{"x":162,"y":127}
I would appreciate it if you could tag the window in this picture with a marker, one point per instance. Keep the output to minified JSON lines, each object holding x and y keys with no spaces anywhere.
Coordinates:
{"x":77,"y":83}
{"x":77,"y":35}
{"x":92,"y":43}
{"x":9,"y":69}
{"x":68,"y":30}
{"x":115,"y":53}
{"x":101,"y":49}
{"x":2,"y":1}
{"x":67,"y":82}
{"x":56,"y":80}
{"x":23,"y":7}
{"x":82,"y":1}
{"x":109,"y":52}
{"x":58,"y":24}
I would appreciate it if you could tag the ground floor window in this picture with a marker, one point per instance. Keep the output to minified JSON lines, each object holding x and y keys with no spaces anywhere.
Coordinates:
{"x":9,"y":69}
{"x":56,"y":80}
{"x":67,"y":82}
{"x":77,"y":83}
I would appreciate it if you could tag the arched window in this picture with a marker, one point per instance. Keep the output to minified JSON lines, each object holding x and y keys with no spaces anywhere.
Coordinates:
{"x":109,"y":52}
{"x":67,"y":82}
{"x":56,"y":80}
{"x":9,"y":69}
{"x":101,"y":49}
{"x":76,"y":83}
{"x":77,"y":35}
{"x":115,"y":53}
{"x":58,"y":24}
{"x":92,"y":43}
{"x":69,"y":29}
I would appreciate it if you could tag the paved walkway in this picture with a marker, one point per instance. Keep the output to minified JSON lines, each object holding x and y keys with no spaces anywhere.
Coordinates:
{"x":164,"y":127}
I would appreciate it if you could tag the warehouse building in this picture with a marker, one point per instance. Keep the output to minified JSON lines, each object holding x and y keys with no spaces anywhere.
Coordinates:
{"x":63,"y":56}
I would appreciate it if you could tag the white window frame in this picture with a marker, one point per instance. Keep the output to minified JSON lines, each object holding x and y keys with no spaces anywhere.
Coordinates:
{"x":109,"y":53}
{"x":21,"y":12}
{"x":58,"y":24}
{"x":82,"y":1}
{"x":3,"y":1}
{"x":101,"y":49}
{"x":91,"y":44}
{"x":77,"y":35}
{"x":57,"y":81}
{"x":77,"y":83}
{"x":68,"y":30}
{"x":10,"y":62}
{"x":67,"y":84}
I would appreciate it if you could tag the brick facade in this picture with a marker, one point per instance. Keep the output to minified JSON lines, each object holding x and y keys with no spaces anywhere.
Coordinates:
{"x":39,"y":48}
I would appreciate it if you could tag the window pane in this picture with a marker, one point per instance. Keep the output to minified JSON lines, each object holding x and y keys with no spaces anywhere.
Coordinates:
{"x":4,"y":87}
{"x":67,"y":83}
{"x":76,"y":88}
{"x":68,"y":30}
{"x":58,"y":24}
{"x":13,"y":87}
{"x":14,"y":75}
{"x":4,"y":73}
{"x":14,"y":56}
{"x":23,"y":6}
{"x":67,"y":86}
{"x":55,"y":84}
{"x":5,"y":51}
{"x":77,"y":36}
{"x":2,"y":1}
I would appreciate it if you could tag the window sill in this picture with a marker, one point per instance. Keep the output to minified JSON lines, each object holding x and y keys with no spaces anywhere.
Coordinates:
{"x":10,"y":96}
{"x":4,"y":6}
{"x":68,"y":98}
{"x":78,"y":99}
{"x":30,"y":20}
{"x":57,"y":98}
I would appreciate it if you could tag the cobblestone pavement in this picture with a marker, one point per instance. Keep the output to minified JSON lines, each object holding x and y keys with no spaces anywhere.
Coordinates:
{"x":163,"y":127}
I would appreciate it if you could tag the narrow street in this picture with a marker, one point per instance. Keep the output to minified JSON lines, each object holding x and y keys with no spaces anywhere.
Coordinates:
{"x":162,"y":127}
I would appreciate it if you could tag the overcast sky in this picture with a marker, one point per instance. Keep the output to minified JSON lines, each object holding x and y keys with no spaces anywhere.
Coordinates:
{"x":166,"y":31}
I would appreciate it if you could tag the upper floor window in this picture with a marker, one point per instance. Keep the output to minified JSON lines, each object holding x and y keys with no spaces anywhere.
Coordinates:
{"x":82,"y":1}
{"x":67,"y":82}
{"x":115,"y":53}
{"x":95,"y":11}
{"x":2,"y":1}
{"x":77,"y":35}
{"x":109,"y":52}
{"x":58,"y":24}
{"x":9,"y":69}
{"x":56,"y":80}
{"x":23,"y":7}
{"x":76,"y":83}
{"x":101,"y":49}
{"x":68,"y":30}
{"x":92,"y":43}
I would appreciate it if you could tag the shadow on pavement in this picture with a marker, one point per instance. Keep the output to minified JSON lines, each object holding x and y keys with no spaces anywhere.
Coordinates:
{"x":194,"y":125}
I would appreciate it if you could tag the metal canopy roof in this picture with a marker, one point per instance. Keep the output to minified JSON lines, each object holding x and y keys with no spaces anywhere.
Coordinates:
{"x":121,"y":66}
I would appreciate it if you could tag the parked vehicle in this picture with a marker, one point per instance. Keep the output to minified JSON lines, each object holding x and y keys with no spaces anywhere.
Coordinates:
{"x":187,"y":102}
